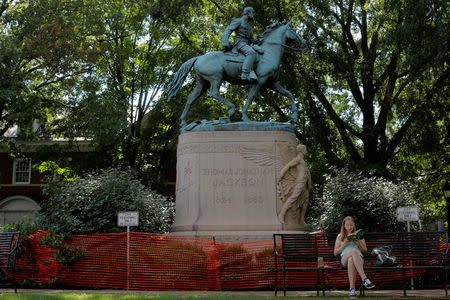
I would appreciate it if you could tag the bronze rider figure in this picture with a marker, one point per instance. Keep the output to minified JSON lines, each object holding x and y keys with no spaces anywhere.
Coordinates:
{"x":243,"y":42}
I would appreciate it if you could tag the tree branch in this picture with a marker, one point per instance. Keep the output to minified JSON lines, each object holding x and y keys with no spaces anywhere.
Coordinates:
{"x":342,"y":127}
{"x":387,"y":102}
{"x":60,"y":103}
{"x":284,"y":118}
{"x":391,"y":67}
{"x":398,"y":136}
{"x":354,"y":88}
{"x":183,"y":35}
{"x":4,"y":6}
{"x":399,"y":91}
{"x":278,"y":9}
{"x":48,"y":81}
{"x":348,"y":32}
{"x":374,"y":42}
{"x":318,"y":121}
{"x":364,"y":43}
{"x":5,"y":128}
{"x":346,"y":27}
{"x":218,"y":6}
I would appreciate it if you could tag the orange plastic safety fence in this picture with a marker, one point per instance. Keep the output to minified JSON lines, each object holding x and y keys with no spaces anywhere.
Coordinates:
{"x":167,"y":262}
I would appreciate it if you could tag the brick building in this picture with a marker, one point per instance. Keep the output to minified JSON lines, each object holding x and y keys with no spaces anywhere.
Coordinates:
{"x":20,"y":184}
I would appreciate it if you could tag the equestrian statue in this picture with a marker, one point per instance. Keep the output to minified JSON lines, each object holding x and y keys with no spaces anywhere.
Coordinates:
{"x":248,"y":62}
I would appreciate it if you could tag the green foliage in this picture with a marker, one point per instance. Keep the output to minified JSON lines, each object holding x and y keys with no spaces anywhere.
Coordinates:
{"x":23,"y":227}
{"x":43,"y":55}
{"x":90,"y":204}
{"x":372,"y":201}
{"x":51,"y":167}
{"x":372,"y":87}
{"x":65,"y":253}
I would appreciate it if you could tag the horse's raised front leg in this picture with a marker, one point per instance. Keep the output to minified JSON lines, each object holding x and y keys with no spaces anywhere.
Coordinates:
{"x":199,"y":90}
{"x":280,"y":89}
{"x":251,"y":95}
{"x":215,"y":94}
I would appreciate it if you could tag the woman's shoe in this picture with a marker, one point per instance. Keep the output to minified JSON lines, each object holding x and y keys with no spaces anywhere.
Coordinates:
{"x":368,"y":284}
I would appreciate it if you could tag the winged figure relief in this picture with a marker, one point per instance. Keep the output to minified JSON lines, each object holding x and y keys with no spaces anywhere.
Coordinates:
{"x":294,"y":183}
{"x":267,"y":156}
{"x":293,"y":179}
{"x":263,"y":156}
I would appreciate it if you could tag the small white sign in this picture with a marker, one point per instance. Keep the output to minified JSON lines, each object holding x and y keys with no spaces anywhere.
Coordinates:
{"x":407,"y":213}
{"x":128,"y":218}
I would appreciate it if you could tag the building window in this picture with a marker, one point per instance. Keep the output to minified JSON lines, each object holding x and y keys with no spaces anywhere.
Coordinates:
{"x":22,"y":171}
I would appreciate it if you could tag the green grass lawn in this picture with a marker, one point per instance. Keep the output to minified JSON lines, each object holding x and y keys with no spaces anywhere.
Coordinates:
{"x":82,"y":296}
{"x":129,"y":297}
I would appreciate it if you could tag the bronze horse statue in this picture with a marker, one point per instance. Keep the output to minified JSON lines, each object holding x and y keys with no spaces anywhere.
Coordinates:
{"x":213,"y":68}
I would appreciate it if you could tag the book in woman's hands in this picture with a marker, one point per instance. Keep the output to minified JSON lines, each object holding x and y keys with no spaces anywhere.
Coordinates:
{"x":357,"y":235}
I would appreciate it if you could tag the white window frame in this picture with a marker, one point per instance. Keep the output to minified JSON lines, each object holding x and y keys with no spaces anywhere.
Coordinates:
{"x":16,"y":161}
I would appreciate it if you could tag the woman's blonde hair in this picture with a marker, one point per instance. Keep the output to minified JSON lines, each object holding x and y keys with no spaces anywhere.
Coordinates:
{"x":343,"y":232}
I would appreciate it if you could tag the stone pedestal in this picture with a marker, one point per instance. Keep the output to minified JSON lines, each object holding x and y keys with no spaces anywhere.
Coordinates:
{"x":227,"y":183}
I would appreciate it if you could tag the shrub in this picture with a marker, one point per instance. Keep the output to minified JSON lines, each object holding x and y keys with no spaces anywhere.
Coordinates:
{"x":90,"y":204}
{"x":372,"y":201}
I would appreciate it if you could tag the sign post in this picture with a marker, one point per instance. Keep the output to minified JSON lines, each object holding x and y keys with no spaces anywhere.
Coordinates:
{"x":408,"y":214}
{"x":128,"y":219}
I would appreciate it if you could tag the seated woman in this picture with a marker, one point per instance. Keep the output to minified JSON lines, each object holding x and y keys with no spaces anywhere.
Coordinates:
{"x":352,"y":254}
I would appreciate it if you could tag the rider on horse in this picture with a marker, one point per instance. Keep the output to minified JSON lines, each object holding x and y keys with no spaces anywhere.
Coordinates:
{"x":243,"y":42}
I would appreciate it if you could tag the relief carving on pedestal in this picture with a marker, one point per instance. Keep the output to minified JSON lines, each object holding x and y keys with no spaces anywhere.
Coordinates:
{"x":293,"y":187}
{"x":294,"y":179}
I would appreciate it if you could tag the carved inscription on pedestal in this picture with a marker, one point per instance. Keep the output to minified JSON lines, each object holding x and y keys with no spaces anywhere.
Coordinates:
{"x":242,"y":185}
{"x":227,"y":180}
{"x":236,"y":178}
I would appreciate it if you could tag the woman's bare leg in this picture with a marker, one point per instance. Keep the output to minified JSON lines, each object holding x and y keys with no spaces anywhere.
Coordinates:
{"x":354,"y":264}
{"x":351,"y":271}
{"x":358,"y":263}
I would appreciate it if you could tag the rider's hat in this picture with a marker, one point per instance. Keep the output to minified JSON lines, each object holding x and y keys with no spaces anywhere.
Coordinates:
{"x":248,"y":9}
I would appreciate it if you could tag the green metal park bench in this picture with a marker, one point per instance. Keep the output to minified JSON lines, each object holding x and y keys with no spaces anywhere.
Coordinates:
{"x":413,"y":251}
{"x":9,"y":242}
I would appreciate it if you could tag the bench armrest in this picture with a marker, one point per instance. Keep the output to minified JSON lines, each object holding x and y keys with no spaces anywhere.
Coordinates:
{"x":14,"y":249}
{"x":276,"y":252}
{"x":445,"y":255}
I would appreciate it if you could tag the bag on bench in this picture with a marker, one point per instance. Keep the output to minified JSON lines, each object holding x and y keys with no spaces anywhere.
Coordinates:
{"x":384,"y":255}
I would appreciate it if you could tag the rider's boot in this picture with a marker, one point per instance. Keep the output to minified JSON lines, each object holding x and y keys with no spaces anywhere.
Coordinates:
{"x":245,"y":118}
{"x":249,"y":76}
{"x":253,"y":75}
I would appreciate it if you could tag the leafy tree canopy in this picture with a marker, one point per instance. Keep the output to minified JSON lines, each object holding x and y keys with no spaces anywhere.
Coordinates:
{"x":372,"y":87}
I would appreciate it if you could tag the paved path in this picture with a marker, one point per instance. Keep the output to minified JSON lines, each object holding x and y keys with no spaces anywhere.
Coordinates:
{"x":392,"y":294}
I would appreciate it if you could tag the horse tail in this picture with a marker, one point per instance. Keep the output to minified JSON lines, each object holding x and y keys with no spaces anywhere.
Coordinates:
{"x":180,"y":77}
